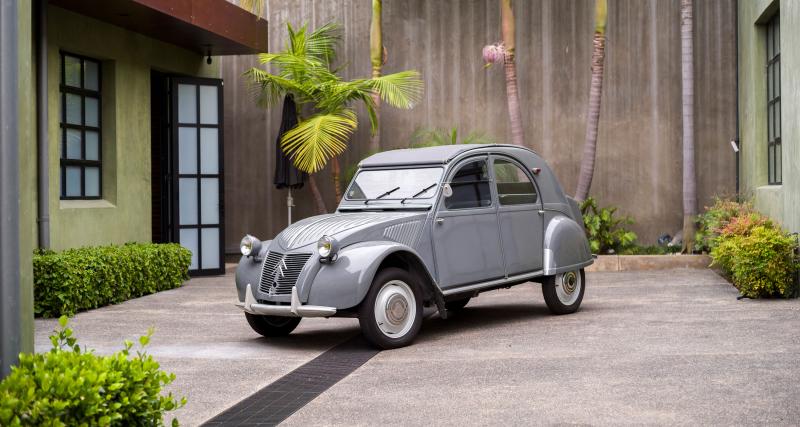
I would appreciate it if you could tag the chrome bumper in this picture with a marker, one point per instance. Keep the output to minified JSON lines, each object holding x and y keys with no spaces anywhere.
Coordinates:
{"x":295,"y":309}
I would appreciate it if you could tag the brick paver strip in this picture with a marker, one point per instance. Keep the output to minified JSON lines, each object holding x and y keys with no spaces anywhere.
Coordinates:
{"x":279,"y":400}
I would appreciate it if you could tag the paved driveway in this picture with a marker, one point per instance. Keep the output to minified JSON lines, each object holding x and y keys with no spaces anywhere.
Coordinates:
{"x":647,"y":347}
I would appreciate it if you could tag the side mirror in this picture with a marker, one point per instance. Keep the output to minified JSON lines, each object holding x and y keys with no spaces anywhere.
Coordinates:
{"x":447,"y":190}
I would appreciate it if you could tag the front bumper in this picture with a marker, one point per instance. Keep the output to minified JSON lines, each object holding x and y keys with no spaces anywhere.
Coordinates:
{"x":295,"y":309}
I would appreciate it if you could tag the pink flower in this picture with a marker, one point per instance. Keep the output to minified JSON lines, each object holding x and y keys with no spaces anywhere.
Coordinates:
{"x":494,"y":53}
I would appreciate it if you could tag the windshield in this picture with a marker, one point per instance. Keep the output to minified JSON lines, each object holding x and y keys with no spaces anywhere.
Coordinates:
{"x":395,"y":184}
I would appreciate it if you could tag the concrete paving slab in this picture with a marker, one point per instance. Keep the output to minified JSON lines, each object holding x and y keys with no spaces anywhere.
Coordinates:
{"x":205,"y":340}
{"x":651,"y":347}
{"x":656,"y":347}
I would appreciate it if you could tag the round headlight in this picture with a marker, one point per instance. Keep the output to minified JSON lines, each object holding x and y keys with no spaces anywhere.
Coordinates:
{"x":326,"y":246}
{"x":250,"y":245}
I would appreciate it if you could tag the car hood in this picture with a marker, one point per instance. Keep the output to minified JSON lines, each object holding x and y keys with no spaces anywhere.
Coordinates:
{"x":352,"y":227}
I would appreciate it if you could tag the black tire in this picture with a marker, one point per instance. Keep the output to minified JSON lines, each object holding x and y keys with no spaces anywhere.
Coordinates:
{"x":549,"y":290}
{"x":456,"y":305}
{"x":366,"y":311}
{"x":272,"y":326}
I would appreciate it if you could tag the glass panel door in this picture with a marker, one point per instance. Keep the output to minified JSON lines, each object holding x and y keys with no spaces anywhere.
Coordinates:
{"x":197,"y":135}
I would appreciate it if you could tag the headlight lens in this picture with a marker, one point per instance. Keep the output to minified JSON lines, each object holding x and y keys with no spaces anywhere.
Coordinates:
{"x":326,"y":247}
{"x":250,"y":245}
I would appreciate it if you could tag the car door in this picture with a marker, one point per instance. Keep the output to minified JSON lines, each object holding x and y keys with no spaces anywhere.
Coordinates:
{"x":519,"y":214}
{"x":465,"y":230}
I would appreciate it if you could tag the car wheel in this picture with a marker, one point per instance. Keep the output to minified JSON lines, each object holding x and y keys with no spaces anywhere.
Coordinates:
{"x":272,"y":326}
{"x":391,"y":314}
{"x":456,"y":305}
{"x":563,"y":292}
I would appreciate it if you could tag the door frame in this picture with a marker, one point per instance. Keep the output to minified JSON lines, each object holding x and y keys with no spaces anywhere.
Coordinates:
{"x":175,"y":125}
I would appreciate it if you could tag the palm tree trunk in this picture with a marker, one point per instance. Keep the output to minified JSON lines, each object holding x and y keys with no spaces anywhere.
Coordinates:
{"x":512,"y":93}
{"x":318,"y":200}
{"x":687,"y":109}
{"x":376,"y":58}
{"x":336,"y":173}
{"x":593,"y":114}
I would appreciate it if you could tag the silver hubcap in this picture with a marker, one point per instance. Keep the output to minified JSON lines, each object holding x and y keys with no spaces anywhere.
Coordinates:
{"x":395,"y":308}
{"x":568,"y":287}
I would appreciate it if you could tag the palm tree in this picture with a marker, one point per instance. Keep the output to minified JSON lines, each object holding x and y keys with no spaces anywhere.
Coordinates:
{"x":505,"y":52}
{"x":595,"y":92}
{"x":377,"y":60}
{"x":687,"y":110}
{"x":303,"y":69}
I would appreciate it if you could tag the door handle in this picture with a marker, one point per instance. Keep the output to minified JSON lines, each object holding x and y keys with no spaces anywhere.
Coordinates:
{"x":439,"y":221}
{"x":541,"y":212}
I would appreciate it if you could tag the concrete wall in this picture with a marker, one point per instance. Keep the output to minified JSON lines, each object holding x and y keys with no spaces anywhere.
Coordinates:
{"x":639,"y":158}
{"x":124,"y":214}
{"x":778,"y":201}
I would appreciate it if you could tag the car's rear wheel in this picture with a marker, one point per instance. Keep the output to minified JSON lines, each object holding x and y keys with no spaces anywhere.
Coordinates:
{"x":456,"y":305}
{"x":272,"y":326}
{"x":563,"y":292}
{"x":391,"y":314}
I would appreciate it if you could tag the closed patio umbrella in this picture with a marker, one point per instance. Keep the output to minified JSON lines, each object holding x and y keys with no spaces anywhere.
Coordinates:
{"x":286,"y":174}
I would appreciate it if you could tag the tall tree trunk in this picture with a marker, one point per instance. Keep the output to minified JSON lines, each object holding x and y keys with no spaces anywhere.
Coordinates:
{"x":512,"y":93}
{"x":336,"y":173}
{"x":318,"y":200}
{"x":687,"y":109}
{"x":595,"y":93}
{"x":376,"y":58}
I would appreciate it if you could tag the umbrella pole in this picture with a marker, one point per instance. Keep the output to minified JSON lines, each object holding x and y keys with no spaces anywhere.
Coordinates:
{"x":289,"y":204}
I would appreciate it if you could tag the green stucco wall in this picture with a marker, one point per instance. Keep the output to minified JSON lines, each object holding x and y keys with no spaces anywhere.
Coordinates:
{"x":781,"y":202}
{"x":27,"y":172}
{"x":124,"y":214}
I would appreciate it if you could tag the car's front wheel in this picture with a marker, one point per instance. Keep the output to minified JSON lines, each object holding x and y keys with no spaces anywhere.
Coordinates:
{"x":391,"y":314}
{"x":563,"y":292}
{"x":272,"y":326}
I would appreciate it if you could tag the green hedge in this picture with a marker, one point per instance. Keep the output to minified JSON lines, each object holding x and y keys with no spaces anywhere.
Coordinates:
{"x":84,"y":278}
{"x":70,"y":387}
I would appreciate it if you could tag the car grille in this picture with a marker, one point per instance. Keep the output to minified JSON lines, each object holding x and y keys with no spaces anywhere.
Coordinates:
{"x":280,"y":272}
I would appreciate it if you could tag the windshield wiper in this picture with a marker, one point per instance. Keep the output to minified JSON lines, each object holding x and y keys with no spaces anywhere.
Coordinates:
{"x":420,"y":192}
{"x":383,"y":195}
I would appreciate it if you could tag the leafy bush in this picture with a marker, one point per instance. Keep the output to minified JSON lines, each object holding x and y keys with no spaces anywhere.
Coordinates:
{"x":650,"y":250}
{"x":758,"y":257}
{"x":606,"y":233}
{"x":84,"y":278}
{"x":715,"y":218}
{"x":67,"y":386}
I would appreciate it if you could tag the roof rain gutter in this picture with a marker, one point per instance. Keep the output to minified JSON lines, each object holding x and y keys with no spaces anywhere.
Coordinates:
{"x":42,"y":142}
{"x":10,"y":322}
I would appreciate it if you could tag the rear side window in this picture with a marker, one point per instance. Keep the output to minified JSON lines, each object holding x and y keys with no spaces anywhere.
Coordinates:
{"x":513,"y":185}
{"x":470,"y":187}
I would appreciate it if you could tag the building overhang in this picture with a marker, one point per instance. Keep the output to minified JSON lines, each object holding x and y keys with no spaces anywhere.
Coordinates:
{"x":208,"y":27}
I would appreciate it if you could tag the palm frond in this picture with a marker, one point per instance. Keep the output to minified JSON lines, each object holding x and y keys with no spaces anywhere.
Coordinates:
{"x":321,"y":43}
{"x":256,"y":7}
{"x":315,"y":140}
{"x":401,"y":90}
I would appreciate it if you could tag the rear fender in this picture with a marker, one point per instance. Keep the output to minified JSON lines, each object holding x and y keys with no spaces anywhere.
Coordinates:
{"x":565,"y":246}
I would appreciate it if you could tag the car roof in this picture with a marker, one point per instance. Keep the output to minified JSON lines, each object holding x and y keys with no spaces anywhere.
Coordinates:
{"x":439,"y":154}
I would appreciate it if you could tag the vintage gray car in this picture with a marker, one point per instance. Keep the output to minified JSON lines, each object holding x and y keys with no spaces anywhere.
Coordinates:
{"x":428,"y":227}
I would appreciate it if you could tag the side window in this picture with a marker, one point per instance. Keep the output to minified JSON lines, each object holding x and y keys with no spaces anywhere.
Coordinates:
{"x":513,"y":185}
{"x":470,"y":187}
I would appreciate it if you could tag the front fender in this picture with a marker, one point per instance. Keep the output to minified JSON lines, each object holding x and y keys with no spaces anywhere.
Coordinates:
{"x":565,"y":246}
{"x":344,"y":283}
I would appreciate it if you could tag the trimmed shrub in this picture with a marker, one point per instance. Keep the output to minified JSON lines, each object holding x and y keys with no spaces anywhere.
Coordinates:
{"x":67,"y":386}
{"x":606,"y":233}
{"x":758,"y":257}
{"x":84,"y":278}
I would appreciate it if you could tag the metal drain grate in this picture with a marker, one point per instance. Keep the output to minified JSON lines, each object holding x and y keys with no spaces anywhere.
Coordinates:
{"x":279,"y":400}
